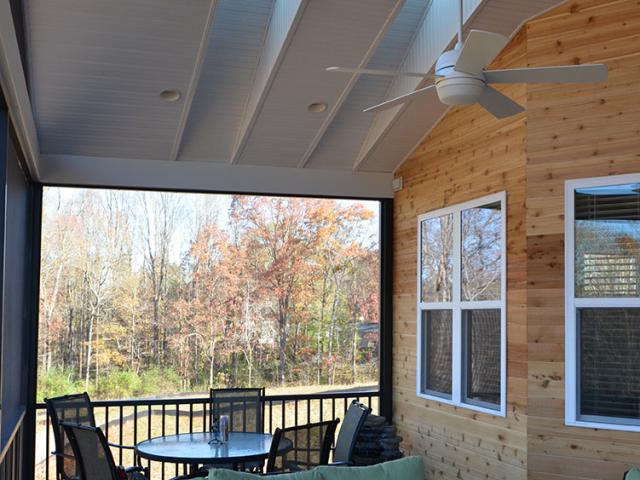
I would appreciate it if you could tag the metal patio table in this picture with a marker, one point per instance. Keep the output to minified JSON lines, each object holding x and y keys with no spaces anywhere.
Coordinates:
{"x":194,"y":449}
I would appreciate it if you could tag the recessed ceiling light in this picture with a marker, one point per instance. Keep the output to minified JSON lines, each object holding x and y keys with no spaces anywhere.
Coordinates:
{"x":170,"y":95}
{"x":318,"y":107}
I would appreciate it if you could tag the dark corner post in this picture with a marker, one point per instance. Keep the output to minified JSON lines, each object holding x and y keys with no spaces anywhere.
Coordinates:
{"x":386,"y":308}
{"x":4,"y":145}
{"x":31,"y":339}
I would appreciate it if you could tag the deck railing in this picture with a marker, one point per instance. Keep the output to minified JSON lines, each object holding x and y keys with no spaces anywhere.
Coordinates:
{"x":127,"y":422}
{"x":11,"y":455}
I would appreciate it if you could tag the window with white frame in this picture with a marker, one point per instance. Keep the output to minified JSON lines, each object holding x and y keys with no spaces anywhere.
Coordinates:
{"x":461,"y":305}
{"x":602,"y":287}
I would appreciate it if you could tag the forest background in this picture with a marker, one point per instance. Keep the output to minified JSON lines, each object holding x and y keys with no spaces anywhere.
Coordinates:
{"x":152,"y":293}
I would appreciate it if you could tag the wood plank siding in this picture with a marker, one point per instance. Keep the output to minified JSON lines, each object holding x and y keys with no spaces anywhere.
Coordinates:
{"x":573,"y":132}
{"x":568,"y":131}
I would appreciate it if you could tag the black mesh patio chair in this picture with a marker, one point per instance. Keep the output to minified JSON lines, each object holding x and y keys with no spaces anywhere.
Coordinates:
{"x":245,"y":409}
{"x":310,"y":447}
{"x":93,"y":457}
{"x":351,"y":426}
{"x":244,"y":406}
{"x":75,"y":409}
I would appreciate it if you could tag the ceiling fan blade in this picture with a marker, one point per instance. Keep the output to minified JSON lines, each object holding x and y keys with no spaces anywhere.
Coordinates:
{"x":372,"y":71}
{"x":499,"y":105}
{"x":479,"y":50}
{"x":589,"y":73}
{"x":398,"y":100}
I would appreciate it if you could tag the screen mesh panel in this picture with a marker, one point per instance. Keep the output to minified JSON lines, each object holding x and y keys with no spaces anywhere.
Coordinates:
{"x":436,"y":328}
{"x":609,"y":349}
{"x":482,"y":355}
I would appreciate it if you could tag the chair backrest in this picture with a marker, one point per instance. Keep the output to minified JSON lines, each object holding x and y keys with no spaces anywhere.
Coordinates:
{"x":353,"y":421}
{"x":244,"y":406}
{"x":310,"y":446}
{"x":75,"y":409}
{"x":92,"y":453}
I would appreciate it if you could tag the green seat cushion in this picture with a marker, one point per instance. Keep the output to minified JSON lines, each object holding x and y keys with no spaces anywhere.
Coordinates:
{"x":633,"y":474}
{"x":408,"y":468}
{"x":224,"y":474}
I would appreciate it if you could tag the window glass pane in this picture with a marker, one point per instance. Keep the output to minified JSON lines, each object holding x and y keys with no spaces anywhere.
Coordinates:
{"x":436,"y":351}
{"x":481,"y":252}
{"x":437,"y":259}
{"x":607,"y":241}
{"x":609,"y":348}
{"x":482,"y":355}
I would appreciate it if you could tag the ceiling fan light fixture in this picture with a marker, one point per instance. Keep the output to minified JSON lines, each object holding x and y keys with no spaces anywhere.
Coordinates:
{"x":170,"y":95}
{"x":317,"y":107}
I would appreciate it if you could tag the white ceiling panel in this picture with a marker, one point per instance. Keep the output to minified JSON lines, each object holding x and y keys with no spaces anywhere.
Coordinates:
{"x":329,"y":32}
{"x":97,"y":69}
{"x":343,"y":140}
{"x":246,"y":70}
{"x":394,"y":135}
{"x":228,"y":72}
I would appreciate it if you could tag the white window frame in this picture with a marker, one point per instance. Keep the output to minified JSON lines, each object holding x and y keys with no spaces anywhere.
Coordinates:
{"x":457,"y":306}
{"x":572,"y":416}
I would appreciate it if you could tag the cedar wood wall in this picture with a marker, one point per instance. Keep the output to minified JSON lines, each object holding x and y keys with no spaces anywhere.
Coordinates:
{"x":571,"y":131}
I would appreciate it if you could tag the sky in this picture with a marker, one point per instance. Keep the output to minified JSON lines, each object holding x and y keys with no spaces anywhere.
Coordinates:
{"x":196,"y":205}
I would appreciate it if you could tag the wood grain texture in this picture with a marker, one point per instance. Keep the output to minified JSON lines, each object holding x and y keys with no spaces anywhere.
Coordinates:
{"x":573,"y":132}
{"x":568,"y":131}
{"x":468,"y":155}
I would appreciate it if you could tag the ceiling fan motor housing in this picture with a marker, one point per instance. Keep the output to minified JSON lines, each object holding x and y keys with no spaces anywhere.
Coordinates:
{"x":453,"y":87}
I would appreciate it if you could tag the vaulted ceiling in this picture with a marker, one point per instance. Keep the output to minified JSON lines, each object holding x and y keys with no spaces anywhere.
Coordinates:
{"x":246,"y":72}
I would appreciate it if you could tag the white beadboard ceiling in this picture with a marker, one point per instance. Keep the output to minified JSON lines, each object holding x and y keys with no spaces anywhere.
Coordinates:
{"x":246,"y":71}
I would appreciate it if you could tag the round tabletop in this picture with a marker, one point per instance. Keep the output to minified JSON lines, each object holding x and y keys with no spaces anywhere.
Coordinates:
{"x":194,"y":448}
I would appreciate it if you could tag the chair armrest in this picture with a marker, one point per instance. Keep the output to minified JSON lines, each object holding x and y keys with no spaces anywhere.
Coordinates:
{"x":137,"y":468}
{"x":126,"y":447}
{"x":63,"y":455}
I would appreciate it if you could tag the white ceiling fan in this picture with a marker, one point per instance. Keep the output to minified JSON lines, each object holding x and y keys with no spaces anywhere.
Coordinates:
{"x":461,"y":79}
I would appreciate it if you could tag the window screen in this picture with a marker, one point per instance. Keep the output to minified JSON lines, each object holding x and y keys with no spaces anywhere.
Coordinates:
{"x":482,"y":355}
{"x":609,"y":341}
{"x":437,"y":351}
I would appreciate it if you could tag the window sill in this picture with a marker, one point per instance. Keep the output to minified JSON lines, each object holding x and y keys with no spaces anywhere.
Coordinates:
{"x":468,"y":406}
{"x":602,"y":425}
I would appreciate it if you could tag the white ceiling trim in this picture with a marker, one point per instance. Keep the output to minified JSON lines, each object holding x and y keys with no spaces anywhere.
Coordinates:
{"x":199,"y":176}
{"x":437,"y":32}
{"x":281,"y":30}
{"x":14,"y":87}
{"x":193,"y":82}
{"x":352,"y":82}
{"x":387,"y":149}
{"x":513,"y":34}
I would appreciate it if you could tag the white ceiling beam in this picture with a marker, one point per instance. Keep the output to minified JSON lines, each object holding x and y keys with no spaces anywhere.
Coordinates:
{"x":285,"y":18}
{"x":193,"y":82}
{"x":208,"y":177}
{"x":335,"y":108}
{"x":14,"y":87}
{"x":395,"y":133}
{"x":437,"y":31}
